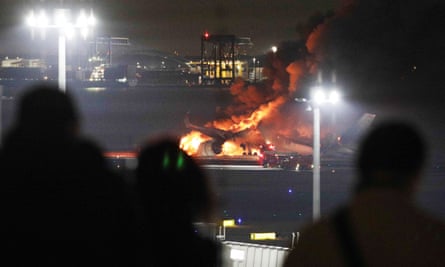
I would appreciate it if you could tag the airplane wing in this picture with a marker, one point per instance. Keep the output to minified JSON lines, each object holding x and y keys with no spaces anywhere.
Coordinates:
{"x":211,"y":132}
{"x":216,"y":133}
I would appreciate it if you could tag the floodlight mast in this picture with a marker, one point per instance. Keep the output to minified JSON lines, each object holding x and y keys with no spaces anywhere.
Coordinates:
{"x":66,"y":25}
{"x":318,"y":98}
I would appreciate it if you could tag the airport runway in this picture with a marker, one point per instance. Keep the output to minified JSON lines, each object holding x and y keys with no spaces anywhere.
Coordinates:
{"x":274,"y":200}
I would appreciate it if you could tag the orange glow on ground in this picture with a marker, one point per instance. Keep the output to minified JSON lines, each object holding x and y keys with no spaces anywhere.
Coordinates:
{"x":120,"y":154}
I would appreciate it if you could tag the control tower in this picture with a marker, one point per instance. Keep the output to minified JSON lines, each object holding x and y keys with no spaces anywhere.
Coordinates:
{"x":220,"y":58}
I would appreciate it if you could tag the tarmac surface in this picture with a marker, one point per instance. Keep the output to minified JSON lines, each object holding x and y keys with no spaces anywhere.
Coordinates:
{"x":274,"y":200}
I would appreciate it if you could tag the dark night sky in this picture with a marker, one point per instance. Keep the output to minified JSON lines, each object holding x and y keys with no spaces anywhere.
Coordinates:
{"x":176,"y":25}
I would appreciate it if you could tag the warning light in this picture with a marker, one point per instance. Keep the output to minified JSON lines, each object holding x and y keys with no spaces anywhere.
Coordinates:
{"x":206,"y":35}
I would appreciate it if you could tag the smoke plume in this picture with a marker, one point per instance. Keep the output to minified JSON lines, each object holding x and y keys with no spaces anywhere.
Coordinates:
{"x":379,"y":49}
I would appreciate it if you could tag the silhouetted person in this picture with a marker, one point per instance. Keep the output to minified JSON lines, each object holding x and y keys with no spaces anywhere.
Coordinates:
{"x":174,"y":194}
{"x":59,"y":204}
{"x":381,"y":226}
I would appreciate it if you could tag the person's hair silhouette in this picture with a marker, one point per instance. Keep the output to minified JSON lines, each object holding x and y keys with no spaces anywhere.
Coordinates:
{"x":175,"y":193}
{"x":59,"y":202}
{"x":44,"y":109}
{"x":381,"y":225}
{"x":391,"y":155}
{"x":182,"y":186}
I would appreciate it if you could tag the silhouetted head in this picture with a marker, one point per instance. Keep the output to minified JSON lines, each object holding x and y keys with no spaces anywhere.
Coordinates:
{"x":391,"y":155}
{"x":44,"y":106}
{"x":171,"y":184}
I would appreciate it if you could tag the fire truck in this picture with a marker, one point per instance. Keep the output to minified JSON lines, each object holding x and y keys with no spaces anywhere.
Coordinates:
{"x":284,"y":160}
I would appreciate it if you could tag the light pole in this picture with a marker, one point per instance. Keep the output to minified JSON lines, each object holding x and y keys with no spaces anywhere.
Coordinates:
{"x":66,"y":24}
{"x":1,"y":121}
{"x":62,"y":62}
{"x":319,"y":96}
{"x":316,"y":163}
{"x":254,"y":69}
{"x":257,"y":70}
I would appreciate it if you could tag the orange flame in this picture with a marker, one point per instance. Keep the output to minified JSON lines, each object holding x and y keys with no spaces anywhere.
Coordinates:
{"x":190,"y":143}
{"x":255,"y":104}
{"x":231,"y":148}
{"x":243,"y":122}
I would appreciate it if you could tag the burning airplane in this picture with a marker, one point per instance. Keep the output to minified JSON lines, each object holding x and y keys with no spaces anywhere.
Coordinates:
{"x":263,"y":113}
{"x":211,"y":141}
{"x":236,"y":135}
{"x":214,"y":145}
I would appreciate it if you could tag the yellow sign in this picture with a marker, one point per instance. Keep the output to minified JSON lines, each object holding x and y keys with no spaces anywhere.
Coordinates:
{"x":263,"y":236}
{"x":229,"y":223}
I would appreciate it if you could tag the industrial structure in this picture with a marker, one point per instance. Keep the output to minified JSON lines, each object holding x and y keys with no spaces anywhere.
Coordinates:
{"x":220,"y":61}
{"x":223,"y":58}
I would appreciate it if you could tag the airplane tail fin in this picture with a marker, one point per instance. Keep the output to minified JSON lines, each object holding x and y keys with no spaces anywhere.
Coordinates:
{"x":187,"y":122}
{"x":346,"y":144}
{"x":352,"y":135}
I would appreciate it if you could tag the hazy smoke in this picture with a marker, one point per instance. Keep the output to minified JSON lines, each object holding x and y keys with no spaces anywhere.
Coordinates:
{"x":296,"y":70}
{"x":268,"y":108}
{"x":380,"y":49}
{"x":375,"y":48}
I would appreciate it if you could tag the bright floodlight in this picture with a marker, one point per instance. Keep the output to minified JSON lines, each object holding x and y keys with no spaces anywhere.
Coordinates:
{"x":61,"y":17}
{"x":31,"y":20}
{"x":274,"y":49}
{"x":82,"y":20}
{"x":67,"y":26}
{"x":40,"y":20}
{"x":91,"y":19}
{"x":334,"y":97}
{"x":318,"y":95}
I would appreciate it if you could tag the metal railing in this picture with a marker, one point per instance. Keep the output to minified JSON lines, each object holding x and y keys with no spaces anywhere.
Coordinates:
{"x":240,"y":254}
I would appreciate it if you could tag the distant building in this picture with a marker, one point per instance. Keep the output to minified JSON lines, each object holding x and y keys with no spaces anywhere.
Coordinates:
{"x":22,"y":63}
{"x":221,"y":61}
{"x":153,"y":67}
